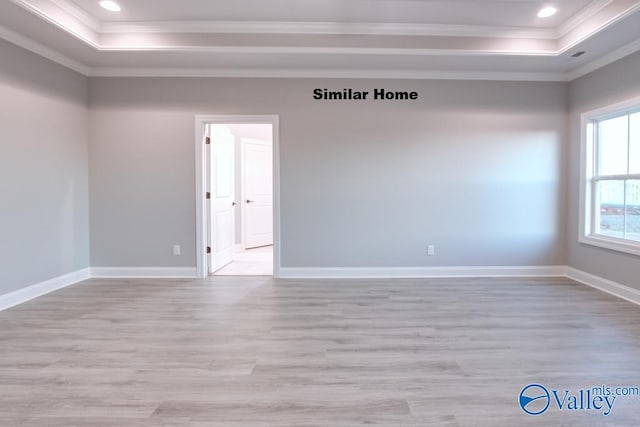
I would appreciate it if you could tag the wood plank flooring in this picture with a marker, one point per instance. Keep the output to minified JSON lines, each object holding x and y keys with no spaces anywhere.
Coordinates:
{"x":254,"y":351}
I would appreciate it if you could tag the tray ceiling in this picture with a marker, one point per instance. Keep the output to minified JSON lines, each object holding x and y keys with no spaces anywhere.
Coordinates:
{"x":327,"y":38}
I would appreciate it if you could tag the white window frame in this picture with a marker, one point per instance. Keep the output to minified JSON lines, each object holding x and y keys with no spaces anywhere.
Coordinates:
{"x":588,"y":159}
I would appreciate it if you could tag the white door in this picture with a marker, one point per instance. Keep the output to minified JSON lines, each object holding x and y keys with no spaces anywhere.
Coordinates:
{"x":221,"y":206}
{"x":257,"y":190}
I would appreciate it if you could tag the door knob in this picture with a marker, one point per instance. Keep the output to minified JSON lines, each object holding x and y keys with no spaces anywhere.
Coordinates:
{"x":233,"y":203}
{"x":249,"y":201}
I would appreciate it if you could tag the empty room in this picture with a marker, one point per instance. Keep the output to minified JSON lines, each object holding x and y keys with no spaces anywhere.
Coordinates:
{"x":319,"y":213}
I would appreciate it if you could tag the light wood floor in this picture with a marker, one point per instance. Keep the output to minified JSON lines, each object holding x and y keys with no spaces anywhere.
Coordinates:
{"x":248,"y":351}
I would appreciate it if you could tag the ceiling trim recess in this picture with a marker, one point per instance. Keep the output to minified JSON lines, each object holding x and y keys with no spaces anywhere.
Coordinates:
{"x":76,"y":19}
{"x":328,"y":50}
{"x":67,"y":62}
{"x":42,"y":50}
{"x":80,"y":68}
{"x":79,"y":14}
{"x":50,"y":11}
{"x":76,"y":14}
{"x":327,"y":74}
{"x":335,"y":28}
{"x":564,"y":48}
{"x":607,"y":59}
{"x":360,"y":28}
{"x":81,"y":26}
{"x":332,"y":28}
{"x":326,"y":28}
{"x":579,"y":18}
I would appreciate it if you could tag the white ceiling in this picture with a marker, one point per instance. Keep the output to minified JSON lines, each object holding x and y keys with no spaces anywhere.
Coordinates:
{"x":508,"y":13}
{"x":481,"y":39}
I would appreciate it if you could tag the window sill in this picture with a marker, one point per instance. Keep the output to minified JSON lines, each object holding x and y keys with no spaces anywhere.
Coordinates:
{"x":612,"y":243}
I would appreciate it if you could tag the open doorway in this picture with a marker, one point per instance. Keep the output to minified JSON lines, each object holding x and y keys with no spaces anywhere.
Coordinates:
{"x":238,"y":216}
{"x":241,"y":201}
{"x":240,"y":198}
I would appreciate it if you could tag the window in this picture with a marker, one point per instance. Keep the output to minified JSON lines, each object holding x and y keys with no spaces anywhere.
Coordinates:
{"x":610,"y":207}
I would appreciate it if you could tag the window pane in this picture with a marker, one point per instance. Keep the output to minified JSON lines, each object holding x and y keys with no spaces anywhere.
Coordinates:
{"x":634,"y":149}
{"x":633,"y":210}
{"x":613,"y":146}
{"x":610,"y":196}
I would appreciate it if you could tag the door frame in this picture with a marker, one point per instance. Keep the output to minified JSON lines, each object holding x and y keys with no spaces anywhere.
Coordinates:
{"x":202,"y":229}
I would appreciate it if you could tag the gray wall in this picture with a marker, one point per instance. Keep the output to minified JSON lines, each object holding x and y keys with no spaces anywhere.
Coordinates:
{"x":614,"y":83}
{"x":44,"y":229}
{"x":475,"y":168}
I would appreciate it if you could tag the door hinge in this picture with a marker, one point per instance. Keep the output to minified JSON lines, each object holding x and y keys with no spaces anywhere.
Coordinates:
{"x":207,"y":140}
{"x":208,"y":195}
{"x":208,"y":249}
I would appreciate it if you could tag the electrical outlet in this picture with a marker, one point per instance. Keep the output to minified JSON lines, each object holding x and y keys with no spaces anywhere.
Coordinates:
{"x":176,"y":249}
{"x":431,"y":250}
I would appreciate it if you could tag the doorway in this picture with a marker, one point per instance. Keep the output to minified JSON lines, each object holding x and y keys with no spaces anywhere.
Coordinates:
{"x":238,"y":215}
{"x":240,"y":197}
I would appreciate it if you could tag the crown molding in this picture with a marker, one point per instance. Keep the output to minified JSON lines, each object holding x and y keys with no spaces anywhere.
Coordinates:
{"x":609,"y":58}
{"x":325,"y":28}
{"x":326,"y":74}
{"x":72,"y":25}
{"x":579,"y":18}
{"x":453,"y":31}
{"x":67,"y":16}
{"x":331,"y":50}
{"x":593,"y":31}
{"x":35,"y":47}
{"x":55,"y":56}
{"x":89,"y":30}
{"x":73,"y":10}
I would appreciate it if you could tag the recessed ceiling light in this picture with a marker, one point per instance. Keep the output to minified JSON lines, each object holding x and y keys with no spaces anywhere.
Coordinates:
{"x":110,"y":5}
{"x":546,"y":12}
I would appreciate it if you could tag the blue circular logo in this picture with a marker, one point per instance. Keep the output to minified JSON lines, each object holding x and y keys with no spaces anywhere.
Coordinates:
{"x":534,"y":399}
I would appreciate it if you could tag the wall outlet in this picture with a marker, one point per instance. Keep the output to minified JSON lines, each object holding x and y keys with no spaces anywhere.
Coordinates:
{"x":431,"y":250}
{"x":176,"y":249}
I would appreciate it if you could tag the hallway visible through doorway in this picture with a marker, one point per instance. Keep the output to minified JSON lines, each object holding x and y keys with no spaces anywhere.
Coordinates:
{"x":239,"y":198}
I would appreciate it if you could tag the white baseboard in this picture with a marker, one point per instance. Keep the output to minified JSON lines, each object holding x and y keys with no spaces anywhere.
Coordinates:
{"x":30,"y":292}
{"x":143,"y":272}
{"x":419,"y":272}
{"x":605,"y":285}
{"x":621,"y":291}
